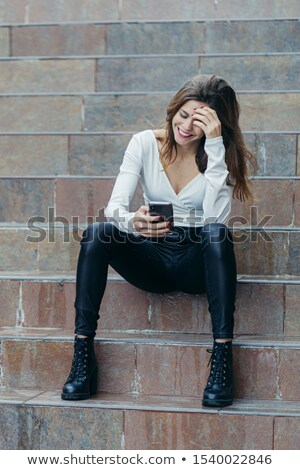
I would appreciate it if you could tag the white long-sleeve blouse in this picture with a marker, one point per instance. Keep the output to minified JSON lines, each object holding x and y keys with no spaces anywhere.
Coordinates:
{"x":206,"y":198}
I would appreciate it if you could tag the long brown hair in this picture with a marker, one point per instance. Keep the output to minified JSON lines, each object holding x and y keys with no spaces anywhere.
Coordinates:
{"x":217,"y":94}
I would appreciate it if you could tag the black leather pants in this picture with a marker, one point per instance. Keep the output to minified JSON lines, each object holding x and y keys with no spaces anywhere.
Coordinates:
{"x":191,"y":260}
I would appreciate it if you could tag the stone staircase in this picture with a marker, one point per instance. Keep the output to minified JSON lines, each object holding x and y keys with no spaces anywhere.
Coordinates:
{"x":76,"y":80}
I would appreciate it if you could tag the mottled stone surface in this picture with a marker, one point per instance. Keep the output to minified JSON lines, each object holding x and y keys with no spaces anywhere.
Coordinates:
{"x":43,"y":304}
{"x":41,"y":428}
{"x":4,"y":41}
{"x":124,"y":307}
{"x":288,"y":378}
{"x":145,"y":74}
{"x":117,"y":113}
{"x":267,"y":73}
{"x":48,"y":304}
{"x":124,"y":112}
{"x":266,"y":208}
{"x":168,"y":9}
{"x":40,"y":113}
{"x":259,"y":309}
{"x":264,"y":253}
{"x":292,"y":318}
{"x":12,"y":11}
{"x":17,"y":254}
{"x":97,"y":155}
{"x":42,"y":76}
{"x":80,"y":199}
{"x":286,"y":433}
{"x":72,"y":10}
{"x":294,"y":253}
{"x":102,"y":155}
{"x":151,"y":430}
{"x":35,"y":363}
{"x":275,"y":153}
{"x":297,"y":203}
{"x":116,"y":370}
{"x":72,"y":39}
{"x":171,"y":370}
{"x":252,"y":36}
{"x":58,"y":249}
{"x":251,"y":367}
{"x":259,"y":112}
{"x":155,"y":38}
{"x":9,"y":301}
{"x":33,"y":155}
{"x":22,"y":199}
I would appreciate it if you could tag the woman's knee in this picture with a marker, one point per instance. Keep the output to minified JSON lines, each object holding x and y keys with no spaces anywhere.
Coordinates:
{"x":216,"y":233}
{"x":102,"y":232}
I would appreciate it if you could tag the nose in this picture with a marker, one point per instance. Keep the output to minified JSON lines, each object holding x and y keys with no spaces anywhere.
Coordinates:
{"x":188,"y":124}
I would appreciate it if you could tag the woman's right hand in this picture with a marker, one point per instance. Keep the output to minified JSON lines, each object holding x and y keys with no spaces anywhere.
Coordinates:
{"x":150,"y":226}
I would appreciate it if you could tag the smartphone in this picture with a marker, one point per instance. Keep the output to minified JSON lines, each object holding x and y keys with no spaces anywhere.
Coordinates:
{"x":164,"y":209}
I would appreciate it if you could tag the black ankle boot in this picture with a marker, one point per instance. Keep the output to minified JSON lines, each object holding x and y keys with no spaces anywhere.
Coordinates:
{"x":82,"y":381}
{"x":218,"y":391}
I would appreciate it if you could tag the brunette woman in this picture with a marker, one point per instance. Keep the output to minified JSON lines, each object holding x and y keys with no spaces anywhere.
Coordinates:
{"x":197,"y":161}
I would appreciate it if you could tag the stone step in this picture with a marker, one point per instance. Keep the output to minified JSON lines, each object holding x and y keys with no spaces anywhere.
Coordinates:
{"x":77,"y":200}
{"x":263,"y":306}
{"x":94,"y":154}
{"x":104,"y":112}
{"x":144,"y":73}
{"x":259,"y":251}
{"x":146,"y":364}
{"x":150,"y":37}
{"x":59,"y":11}
{"x":134,"y":422}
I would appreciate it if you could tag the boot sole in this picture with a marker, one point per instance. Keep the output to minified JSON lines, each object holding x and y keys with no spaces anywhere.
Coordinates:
{"x":219,"y":403}
{"x":67,"y":396}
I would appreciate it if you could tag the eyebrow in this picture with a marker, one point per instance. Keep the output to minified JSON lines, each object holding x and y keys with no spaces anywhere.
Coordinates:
{"x":184,"y":111}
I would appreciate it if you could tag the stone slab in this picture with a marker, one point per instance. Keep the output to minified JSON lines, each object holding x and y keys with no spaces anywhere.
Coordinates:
{"x":141,"y":74}
{"x":33,"y":155}
{"x":260,"y":308}
{"x":59,"y":40}
{"x":4,"y":42}
{"x":259,"y":112}
{"x":168,"y":9}
{"x":161,"y":431}
{"x":50,"y":428}
{"x":163,"y":365}
{"x":22,"y":199}
{"x":40,"y":113}
{"x":41,"y":11}
{"x":42,"y":76}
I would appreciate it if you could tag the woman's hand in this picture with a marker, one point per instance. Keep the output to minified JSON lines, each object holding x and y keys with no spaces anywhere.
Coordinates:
{"x":148,"y":225}
{"x":207,"y":119}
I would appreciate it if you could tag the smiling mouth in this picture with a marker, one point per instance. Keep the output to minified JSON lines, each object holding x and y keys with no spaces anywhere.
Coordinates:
{"x":184,"y":135}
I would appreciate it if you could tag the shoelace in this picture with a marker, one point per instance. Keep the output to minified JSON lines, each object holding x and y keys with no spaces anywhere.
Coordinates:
{"x":79,"y":364}
{"x":218,"y":362}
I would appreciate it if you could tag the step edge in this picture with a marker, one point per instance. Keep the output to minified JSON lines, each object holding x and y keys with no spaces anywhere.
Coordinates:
{"x":118,"y":402}
{"x":150,"y":21}
{"x":152,"y":338}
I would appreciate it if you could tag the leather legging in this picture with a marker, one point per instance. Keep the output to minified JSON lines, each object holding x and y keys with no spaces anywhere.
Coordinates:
{"x":191,"y":261}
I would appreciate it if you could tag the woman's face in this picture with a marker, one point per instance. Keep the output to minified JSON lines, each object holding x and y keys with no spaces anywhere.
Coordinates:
{"x":185,"y":132}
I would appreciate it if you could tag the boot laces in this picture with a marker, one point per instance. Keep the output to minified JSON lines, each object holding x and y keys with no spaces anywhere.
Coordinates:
{"x":219,"y":362}
{"x":80,"y":362}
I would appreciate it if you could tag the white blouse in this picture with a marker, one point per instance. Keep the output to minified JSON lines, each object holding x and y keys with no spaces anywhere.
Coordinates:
{"x":206,"y":198}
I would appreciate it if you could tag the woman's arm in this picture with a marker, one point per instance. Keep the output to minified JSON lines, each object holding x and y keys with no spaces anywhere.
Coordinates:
{"x":117,"y":210}
{"x":218,"y":195}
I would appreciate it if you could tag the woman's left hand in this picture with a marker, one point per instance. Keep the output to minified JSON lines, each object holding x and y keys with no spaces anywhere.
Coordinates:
{"x":207,"y":119}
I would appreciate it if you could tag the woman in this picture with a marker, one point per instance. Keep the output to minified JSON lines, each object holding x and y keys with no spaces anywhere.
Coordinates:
{"x":197,"y":162}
